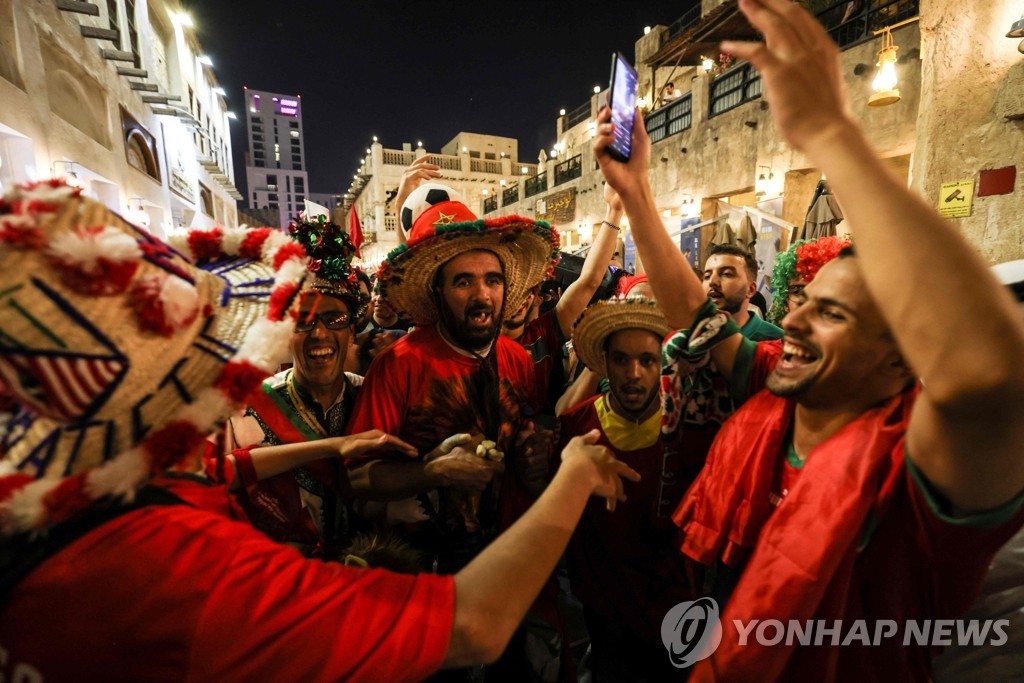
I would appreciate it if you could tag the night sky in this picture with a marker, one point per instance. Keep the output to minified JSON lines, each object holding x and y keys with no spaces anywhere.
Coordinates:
{"x":409,"y":71}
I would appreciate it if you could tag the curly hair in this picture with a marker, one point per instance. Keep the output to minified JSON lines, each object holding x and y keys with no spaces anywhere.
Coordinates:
{"x":803,"y":259}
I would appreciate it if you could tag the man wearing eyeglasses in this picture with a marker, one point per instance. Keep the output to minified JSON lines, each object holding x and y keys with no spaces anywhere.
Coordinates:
{"x":305,"y":507}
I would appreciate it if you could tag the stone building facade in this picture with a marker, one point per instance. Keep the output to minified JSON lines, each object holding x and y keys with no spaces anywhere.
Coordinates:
{"x":118,"y":97}
{"x":717,"y":154}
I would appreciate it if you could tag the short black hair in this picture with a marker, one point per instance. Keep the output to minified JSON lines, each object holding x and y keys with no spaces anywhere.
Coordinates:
{"x":749,"y":262}
{"x":364,"y":278}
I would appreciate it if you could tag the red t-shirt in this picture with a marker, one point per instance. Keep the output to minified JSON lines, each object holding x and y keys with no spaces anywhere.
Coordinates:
{"x":626,"y":564}
{"x":543,"y":339}
{"x":423,"y":391}
{"x":181,"y":593}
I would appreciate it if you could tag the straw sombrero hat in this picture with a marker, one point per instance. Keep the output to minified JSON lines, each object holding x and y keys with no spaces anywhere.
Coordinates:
{"x":123,"y":354}
{"x":604,"y":318}
{"x":441,"y":227}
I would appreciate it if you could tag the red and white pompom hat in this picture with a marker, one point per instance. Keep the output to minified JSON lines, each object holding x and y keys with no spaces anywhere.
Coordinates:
{"x":125,"y":351}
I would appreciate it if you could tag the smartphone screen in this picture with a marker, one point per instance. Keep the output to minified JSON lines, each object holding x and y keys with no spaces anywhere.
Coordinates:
{"x":622,"y":99}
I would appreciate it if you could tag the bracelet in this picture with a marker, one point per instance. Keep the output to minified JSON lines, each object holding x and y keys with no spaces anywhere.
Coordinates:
{"x":611,"y":225}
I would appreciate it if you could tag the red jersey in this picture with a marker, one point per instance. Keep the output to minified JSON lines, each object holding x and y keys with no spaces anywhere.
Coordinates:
{"x":182,"y":593}
{"x":626,"y":565}
{"x":423,"y":390}
{"x":543,"y":339}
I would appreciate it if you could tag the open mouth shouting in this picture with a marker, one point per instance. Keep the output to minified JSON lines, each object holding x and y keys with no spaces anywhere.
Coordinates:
{"x":480,"y":317}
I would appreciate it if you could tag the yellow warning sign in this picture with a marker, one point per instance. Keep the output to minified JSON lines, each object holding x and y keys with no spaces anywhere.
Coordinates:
{"x":955,"y":198}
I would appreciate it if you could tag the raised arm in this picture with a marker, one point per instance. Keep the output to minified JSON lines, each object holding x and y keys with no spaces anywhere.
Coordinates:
{"x":966,"y":434}
{"x":675,"y":285}
{"x":571,"y":304}
{"x":418,"y":171}
{"x":494,"y":591}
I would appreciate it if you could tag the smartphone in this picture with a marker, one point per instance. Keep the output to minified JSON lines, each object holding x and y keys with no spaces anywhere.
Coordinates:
{"x":622,"y":99}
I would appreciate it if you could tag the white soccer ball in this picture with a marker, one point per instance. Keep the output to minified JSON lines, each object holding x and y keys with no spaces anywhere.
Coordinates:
{"x":423,"y":197}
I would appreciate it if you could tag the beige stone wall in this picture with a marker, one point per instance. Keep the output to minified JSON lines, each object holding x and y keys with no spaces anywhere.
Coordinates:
{"x":61,"y":100}
{"x":972,"y":79}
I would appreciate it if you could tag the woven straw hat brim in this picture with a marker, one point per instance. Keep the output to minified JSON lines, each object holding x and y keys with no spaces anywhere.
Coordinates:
{"x":528,"y":249}
{"x":607,"y":317}
{"x":129,"y":381}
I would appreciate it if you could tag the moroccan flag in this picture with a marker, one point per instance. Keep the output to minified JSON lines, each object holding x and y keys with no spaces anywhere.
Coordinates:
{"x":355,"y":231}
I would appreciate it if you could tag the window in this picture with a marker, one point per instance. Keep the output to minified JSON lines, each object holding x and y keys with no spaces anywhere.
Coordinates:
{"x":293,"y":124}
{"x":205,"y":200}
{"x":139,"y":146}
{"x":295,"y":134}
{"x":490,"y":155}
{"x":272,"y":197}
{"x":272,"y":205}
{"x":300,"y":185}
{"x":474,"y":155}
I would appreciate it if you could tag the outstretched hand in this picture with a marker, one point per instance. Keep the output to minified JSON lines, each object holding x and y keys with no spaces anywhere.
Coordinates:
{"x":800,"y":68}
{"x":606,"y":469}
{"x":355,"y":445}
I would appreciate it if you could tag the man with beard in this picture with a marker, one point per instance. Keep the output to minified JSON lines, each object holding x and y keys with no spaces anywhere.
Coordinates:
{"x":633,"y":550}
{"x":730,"y":279}
{"x":456,"y":279}
{"x":847,"y":493}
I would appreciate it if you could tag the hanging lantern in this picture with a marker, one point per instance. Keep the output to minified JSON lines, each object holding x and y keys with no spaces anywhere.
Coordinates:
{"x":884,"y":85}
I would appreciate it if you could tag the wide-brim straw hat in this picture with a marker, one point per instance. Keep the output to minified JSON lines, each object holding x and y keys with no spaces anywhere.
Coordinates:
{"x":604,"y":318}
{"x":123,"y":353}
{"x":441,"y":229}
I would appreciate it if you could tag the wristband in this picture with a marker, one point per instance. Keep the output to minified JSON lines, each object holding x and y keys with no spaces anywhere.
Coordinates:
{"x":611,"y":225}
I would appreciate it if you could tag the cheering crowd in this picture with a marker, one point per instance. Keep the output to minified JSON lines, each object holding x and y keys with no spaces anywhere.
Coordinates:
{"x":397,"y":503}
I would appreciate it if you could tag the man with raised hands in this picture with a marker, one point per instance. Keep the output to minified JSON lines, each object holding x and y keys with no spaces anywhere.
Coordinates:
{"x":848,"y":493}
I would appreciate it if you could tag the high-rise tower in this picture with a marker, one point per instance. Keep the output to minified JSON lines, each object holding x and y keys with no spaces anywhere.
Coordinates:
{"x":275,"y":167}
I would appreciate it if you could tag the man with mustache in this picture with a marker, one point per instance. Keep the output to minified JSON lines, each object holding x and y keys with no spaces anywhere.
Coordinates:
{"x":633,"y":550}
{"x":730,"y":279}
{"x":844,"y":490}
{"x":456,"y":279}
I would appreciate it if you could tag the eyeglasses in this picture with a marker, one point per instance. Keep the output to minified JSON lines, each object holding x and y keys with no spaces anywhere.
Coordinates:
{"x":332,"y":320}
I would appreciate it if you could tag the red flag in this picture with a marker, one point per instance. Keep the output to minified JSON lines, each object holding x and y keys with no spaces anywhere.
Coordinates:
{"x":355,"y":231}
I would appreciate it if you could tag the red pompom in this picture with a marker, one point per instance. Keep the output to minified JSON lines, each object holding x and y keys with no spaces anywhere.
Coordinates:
{"x":205,"y":245}
{"x":238,"y":379}
{"x":172,"y":443}
{"x":288,"y":251}
{"x":281,"y":299}
{"x":252,"y":245}
{"x":24,"y":238}
{"x":11,"y":484}
{"x":67,"y":499}
{"x":103,"y":278}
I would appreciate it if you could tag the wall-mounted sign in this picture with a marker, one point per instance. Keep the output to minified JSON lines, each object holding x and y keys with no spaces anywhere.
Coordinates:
{"x":558,"y":208}
{"x":955,"y":198}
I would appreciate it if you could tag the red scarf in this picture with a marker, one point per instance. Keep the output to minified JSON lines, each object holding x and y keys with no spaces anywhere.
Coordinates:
{"x":805,"y":550}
